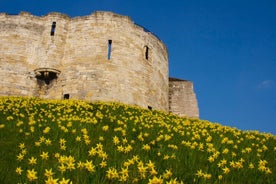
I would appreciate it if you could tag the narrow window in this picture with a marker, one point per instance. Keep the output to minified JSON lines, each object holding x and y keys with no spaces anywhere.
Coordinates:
{"x":66,"y":96}
{"x":146,"y":52}
{"x":109,"y":49}
{"x":53,"y":28}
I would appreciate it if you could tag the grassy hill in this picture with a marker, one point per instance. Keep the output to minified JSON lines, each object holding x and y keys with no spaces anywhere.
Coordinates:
{"x":68,"y":141}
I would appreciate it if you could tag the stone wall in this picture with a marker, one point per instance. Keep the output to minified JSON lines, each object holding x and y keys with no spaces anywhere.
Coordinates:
{"x":99,"y":57}
{"x":182,"y":98}
{"x":75,"y":58}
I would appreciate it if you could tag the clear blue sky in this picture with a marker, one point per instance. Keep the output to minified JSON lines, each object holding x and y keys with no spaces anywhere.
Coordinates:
{"x":227,"y":48}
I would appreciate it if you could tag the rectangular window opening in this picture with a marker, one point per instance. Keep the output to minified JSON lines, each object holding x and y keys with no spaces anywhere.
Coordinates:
{"x":146,"y":52}
{"x":53,"y":28}
{"x":109,"y":49}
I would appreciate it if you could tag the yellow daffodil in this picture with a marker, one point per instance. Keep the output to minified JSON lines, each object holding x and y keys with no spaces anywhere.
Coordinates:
{"x":70,"y":165}
{"x":44,"y":155}
{"x":20,"y":157}
{"x":251,"y":166}
{"x":62,"y":141}
{"x":32,"y":161}
{"x":62,"y":168}
{"x":103,"y":164}
{"x":155,"y":180}
{"x":48,"y":173}
{"x":146,"y":147}
{"x":226,"y":170}
{"x":18,"y":170}
{"x":89,"y":166}
{"x":211,"y":159}
{"x":31,"y":175}
{"x":46,"y":130}
{"x":48,"y":142}
{"x":92,"y":152}
{"x":207,"y":176}
{"x":105,"y":128}
{"x":21,"y":145}
{"x":64,"y":181}
{"x":199,"y":173}
{"x":112,"y":173}
{"x":116,"y":140}
{"x":51,"y":180}
{"x":167,"y":174}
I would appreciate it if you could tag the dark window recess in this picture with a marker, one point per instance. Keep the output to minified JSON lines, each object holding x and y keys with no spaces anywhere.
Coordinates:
{"x":46,"y":76}
{"x":66,"y":96}
{"x":146,"y":52}
{"x":53,"y":28}
{"x":150,"y":107}
{"x":109,"y":49}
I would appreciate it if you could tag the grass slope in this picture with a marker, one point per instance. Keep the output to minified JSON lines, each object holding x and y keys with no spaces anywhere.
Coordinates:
{"x":80,"y":142}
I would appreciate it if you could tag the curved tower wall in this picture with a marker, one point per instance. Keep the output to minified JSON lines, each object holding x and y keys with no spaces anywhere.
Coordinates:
{"x":103,"y":56}
{"x":14,"y":48}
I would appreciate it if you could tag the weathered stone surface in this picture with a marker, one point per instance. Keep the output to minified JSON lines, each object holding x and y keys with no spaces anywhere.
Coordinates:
{"x":73,"y":60}
{"x":182,"y":98}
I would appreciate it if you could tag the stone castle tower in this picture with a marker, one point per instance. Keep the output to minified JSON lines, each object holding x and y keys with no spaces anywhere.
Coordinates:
{"x":100,"y":57}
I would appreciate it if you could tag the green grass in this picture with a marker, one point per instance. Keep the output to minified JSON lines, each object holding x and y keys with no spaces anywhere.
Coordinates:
{"x":63,"y":141}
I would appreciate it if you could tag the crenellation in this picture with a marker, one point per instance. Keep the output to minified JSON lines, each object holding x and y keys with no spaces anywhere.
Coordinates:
{"x":58,"y":15}
{"x":24,"y":13}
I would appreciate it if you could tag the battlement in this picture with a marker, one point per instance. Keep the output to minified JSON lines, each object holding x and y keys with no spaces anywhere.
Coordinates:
{"x":99,"y":57}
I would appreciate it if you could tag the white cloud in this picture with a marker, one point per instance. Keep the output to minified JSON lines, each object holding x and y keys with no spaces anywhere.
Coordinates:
{"x":265,"y":84}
